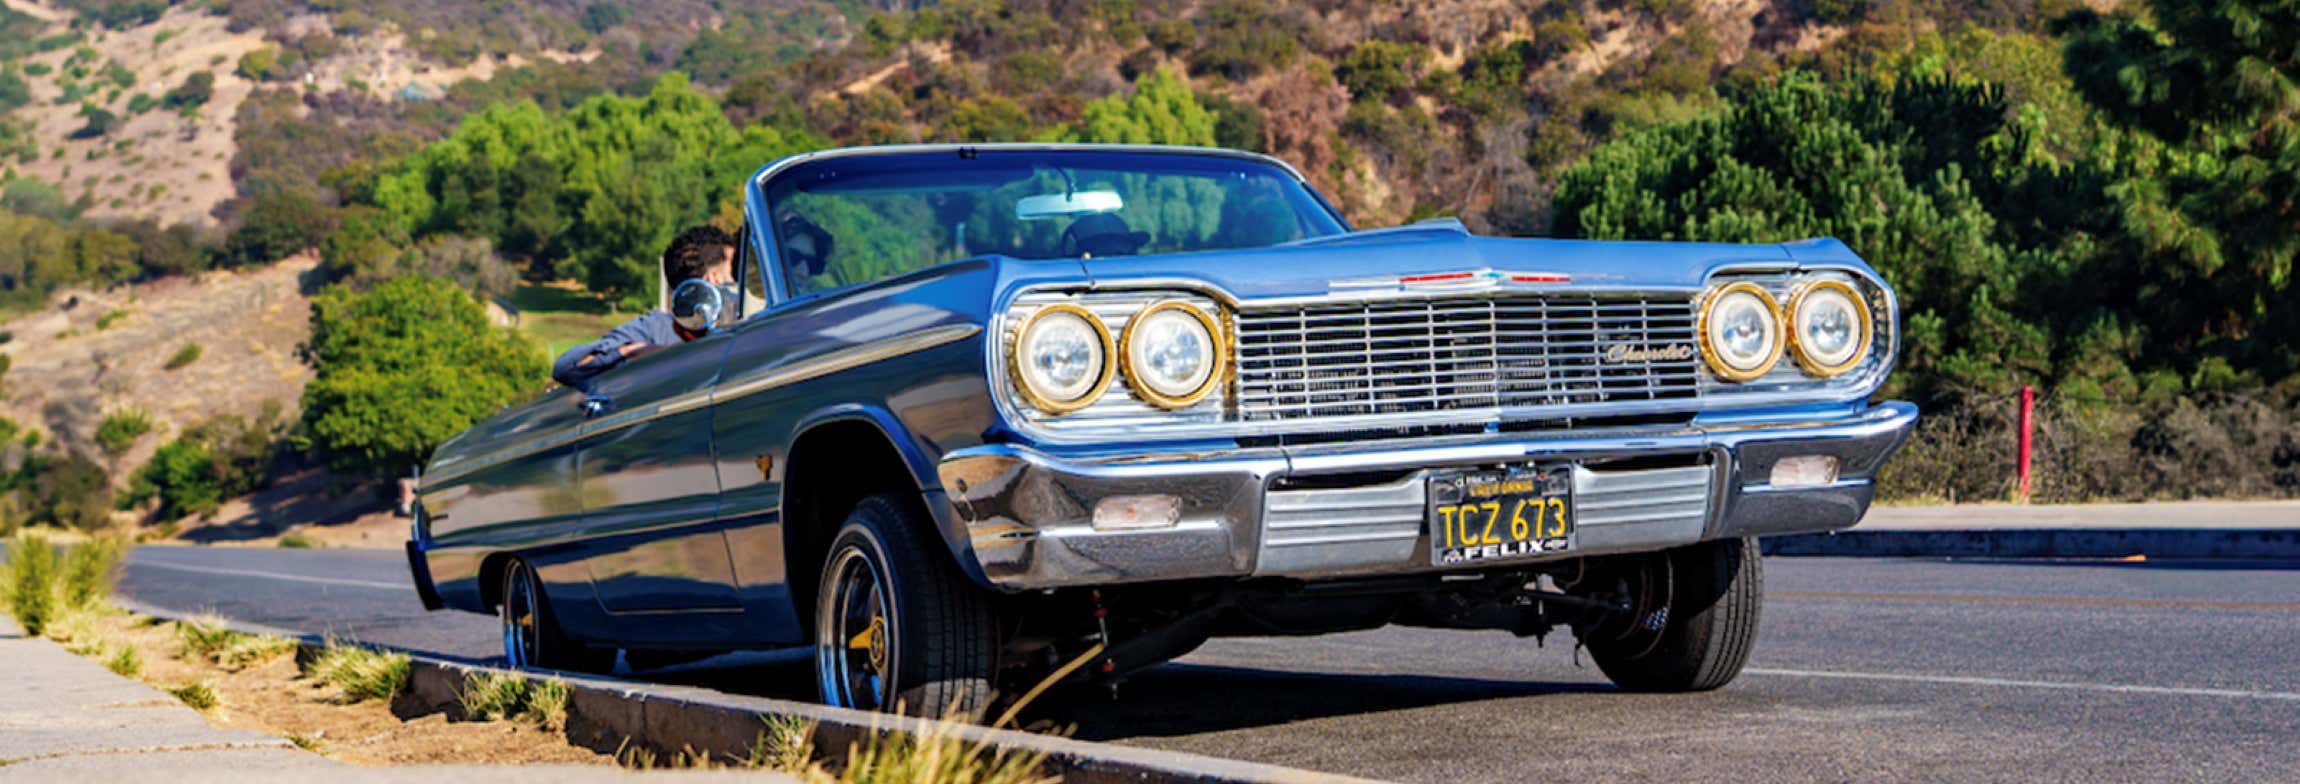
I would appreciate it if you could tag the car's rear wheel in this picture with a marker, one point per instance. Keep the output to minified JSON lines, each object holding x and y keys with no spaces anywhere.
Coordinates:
{"x":897,"y":627}
{"x":1692,"y":622}
{"x":531,"y":635}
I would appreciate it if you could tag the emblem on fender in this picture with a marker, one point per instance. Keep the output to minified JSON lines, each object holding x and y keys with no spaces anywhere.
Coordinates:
{"x":1625,"y":352}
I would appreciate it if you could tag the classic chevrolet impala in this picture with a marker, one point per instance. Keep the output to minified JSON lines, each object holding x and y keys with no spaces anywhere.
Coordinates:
{"x":1009,"y":414}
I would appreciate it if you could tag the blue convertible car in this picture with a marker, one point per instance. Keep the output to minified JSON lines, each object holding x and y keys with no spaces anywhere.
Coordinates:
{"x":998,"y":412}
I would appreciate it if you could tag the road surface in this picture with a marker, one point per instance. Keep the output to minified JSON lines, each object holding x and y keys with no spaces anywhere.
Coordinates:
{"x":1866,"y":670}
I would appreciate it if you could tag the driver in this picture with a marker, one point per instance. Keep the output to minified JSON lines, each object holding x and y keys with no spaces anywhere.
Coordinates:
{"x":702,"y":252}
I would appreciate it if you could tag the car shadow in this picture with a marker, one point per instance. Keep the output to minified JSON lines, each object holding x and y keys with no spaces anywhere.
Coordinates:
{"x":1172,"y":699}
{"x":1188,"y":699}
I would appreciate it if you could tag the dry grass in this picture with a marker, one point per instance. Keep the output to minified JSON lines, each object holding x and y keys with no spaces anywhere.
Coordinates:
{"x":360,"y":673}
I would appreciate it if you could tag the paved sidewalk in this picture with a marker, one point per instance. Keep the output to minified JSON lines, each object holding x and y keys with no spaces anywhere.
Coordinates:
{"x":2256,"y":530}
{"x":2169,"y":514}
{"x":65,"y":718}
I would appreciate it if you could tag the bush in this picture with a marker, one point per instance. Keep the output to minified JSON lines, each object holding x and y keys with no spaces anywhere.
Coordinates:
{"x":194,"y":92}
{"x":297,"y":540}
{"x":31,"y":581}
{"x":188,"y":354}
{"x":201,"y":696}
{"x":91,"y":569}
{"x":68,"y":491}
{"x":222,"y":457}
{"x":120,"y":429}
{"x":280,"y":223}
{"x":404,"y":367}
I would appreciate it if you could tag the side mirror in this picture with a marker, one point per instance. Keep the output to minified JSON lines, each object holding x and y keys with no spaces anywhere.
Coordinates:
{"x":697,"y":304}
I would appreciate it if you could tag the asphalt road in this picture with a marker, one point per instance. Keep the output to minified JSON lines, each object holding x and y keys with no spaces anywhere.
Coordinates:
{"x":1867,"y":670}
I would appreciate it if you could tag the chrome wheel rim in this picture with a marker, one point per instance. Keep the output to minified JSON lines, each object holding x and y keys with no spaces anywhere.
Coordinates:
{"x":520,"y":638}
{"x":854,"y":634}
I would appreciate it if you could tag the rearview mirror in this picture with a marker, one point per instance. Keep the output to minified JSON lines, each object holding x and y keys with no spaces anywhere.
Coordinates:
{"x":697,"y":304}
{"x":1064,"y":205}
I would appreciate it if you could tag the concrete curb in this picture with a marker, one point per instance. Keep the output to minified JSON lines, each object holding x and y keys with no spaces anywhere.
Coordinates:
{"x":2216,"y":543}
{"x":607,"y":711}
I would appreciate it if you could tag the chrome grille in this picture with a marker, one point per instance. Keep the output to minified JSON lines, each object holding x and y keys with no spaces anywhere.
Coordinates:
{"x":1408,"y":356}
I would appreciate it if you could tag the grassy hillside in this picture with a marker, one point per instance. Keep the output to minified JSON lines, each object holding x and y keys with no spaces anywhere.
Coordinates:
{"x":2088,"y":196}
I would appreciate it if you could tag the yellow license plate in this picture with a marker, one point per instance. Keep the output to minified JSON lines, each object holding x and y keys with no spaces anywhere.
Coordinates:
{"x":1482,"y":516}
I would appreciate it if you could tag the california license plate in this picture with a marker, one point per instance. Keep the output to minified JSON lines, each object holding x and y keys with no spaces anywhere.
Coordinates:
{"x":1481,"y":516}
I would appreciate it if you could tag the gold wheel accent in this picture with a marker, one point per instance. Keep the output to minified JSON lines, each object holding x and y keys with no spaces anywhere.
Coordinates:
{"x":1861,"y":342}
{"x":1214,"y":373}
{"x":1709,"y":355}
{"x":1022,"y":383}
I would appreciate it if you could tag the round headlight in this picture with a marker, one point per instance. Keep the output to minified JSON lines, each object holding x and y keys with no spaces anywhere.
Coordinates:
{"x":1741,"y":331}
{"x":1062,"y":358}
{"x":1829,"y":327}
{"x":1173,"y":353}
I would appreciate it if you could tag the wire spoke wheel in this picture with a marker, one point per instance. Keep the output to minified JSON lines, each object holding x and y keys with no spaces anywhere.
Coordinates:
{"x":522,"y":632}
{"x":855,"y":649}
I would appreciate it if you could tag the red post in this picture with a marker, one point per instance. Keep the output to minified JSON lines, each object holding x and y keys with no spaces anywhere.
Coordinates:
{"x":2027,"y":432}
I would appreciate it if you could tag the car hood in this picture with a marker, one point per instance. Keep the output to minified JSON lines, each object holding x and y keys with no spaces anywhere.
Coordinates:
{"x":1382,"y":258}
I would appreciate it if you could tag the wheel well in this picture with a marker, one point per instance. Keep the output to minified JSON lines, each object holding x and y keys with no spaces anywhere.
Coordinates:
{"x":832,"y":467}
{"x":491,"y":579}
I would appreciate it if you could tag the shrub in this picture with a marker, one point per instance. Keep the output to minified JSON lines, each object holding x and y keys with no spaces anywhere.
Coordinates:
{"x":31,"y":581}
{"x":69,"y":491}
{"x":222,"y":457}
{"x":280,"y":223}
{"x":120,"y":429}
{"x":188,"y":354}
{"x":297,"y":540}
{"x":196,"y":90}
{"x":491,"y":696}
{"x":205,"y":635}
{"x":106,"y":321}
{"x":404,"y":367}
{"x":91,"y":569}
{"x":247,"y":650}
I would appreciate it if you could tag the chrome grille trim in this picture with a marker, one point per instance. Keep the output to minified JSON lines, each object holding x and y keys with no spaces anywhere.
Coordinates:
{"x":1313,"y":361}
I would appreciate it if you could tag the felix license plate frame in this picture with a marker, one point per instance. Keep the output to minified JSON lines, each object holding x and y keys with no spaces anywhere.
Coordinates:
{"x":1490,"y":515}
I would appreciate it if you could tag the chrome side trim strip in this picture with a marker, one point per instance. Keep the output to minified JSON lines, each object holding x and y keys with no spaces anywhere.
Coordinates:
{"x":842,"y":359}
{"x":836,"y":361}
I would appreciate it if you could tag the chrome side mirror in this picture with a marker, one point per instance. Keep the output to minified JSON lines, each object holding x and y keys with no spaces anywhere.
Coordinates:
{"x":697,"y":304}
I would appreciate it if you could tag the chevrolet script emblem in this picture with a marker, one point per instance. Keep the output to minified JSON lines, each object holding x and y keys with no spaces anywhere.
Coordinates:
{"x":1624,"y":352}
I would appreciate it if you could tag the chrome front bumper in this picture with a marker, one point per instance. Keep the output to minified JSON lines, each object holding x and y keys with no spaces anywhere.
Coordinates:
{"x":1297,"y":511}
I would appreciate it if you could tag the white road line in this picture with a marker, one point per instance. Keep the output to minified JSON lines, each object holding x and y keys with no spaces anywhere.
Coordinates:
{"x":1961,"y":680}
{"x":273,"y":575}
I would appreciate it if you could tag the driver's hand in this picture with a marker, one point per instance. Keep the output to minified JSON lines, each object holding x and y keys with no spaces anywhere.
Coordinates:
{"x":719,"y":276}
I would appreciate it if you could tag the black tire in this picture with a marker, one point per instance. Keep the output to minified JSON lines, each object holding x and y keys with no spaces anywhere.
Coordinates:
{"x":531,"y":635}
{"x":924,"y":642}
{"x":1714,"y":591}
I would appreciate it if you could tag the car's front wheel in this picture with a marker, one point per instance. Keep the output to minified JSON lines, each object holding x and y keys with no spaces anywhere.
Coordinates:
{"x":897,"y":627}
{"x":1692,"y":622}
{"x":531,"y":635}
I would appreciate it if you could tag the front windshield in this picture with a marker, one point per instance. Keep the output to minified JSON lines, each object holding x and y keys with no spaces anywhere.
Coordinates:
{"x":855,"y":219}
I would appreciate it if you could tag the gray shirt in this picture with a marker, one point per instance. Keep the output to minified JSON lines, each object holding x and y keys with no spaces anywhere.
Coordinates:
{"x":652,"y":328}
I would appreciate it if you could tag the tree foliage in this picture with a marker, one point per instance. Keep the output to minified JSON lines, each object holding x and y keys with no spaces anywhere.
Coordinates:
{"x":403,"y":367}
{"x":593,"y":193}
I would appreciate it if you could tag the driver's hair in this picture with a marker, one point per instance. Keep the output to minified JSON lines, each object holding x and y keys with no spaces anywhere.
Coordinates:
{"x":687,"y":262}
{"x":693,"y":252}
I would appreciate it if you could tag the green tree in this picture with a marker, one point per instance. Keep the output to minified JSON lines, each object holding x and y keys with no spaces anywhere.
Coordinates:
{"x":1377,"y":69}
{"x":1162,"y":110}
{"x":194,"y":92}
{"x":281,"y":223}
{"x":403,"y":367}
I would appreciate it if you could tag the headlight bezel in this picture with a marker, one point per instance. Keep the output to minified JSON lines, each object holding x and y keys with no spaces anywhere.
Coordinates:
{"x":1107,"y":372}
{"x":1218,"y":358}
{"x":1714,"y":359}
{"x":1864,"y":341}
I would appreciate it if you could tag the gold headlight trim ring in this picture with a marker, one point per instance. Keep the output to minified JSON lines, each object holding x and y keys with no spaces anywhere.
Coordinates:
{"x":1218,"y":363}
{"x":1107,"y":373}
{"x":1709,"y":353}
{"x":1861,"y":342}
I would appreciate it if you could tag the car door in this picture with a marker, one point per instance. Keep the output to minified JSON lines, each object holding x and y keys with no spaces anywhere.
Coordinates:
{"x":649,"y":491}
